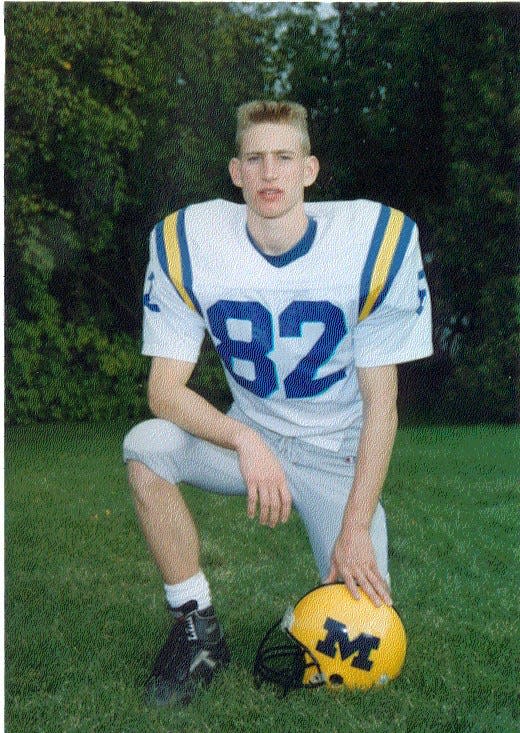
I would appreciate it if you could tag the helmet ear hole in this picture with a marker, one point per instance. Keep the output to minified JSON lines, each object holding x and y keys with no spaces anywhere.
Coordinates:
{"x":335,"y":680}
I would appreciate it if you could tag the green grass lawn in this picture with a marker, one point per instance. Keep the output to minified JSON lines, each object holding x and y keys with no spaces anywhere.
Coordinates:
{"x":85,"y":610}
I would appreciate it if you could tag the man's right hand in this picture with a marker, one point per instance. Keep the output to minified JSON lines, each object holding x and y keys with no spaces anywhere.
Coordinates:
{"x":264,"y":477}
{"x":265,"y":481}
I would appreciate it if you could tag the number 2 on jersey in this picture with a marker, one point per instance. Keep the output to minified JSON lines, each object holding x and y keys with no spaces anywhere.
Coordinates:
{"x":302,"y":381}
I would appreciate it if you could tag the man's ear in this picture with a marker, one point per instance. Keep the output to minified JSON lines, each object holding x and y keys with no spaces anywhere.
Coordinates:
{"x":234,"y":172}
{"x":312,"y":168}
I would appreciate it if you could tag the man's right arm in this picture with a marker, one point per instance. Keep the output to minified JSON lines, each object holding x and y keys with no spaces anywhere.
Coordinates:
{"x":170,"y":398}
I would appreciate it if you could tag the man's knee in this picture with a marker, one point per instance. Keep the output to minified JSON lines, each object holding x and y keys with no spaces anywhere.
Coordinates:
{"x":154,"y":449}
{"x":152,"y":437}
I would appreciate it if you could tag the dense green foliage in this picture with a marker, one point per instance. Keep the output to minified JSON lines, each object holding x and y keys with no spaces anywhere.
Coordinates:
{"x":85,"y":613}
{"x":117,"y":114}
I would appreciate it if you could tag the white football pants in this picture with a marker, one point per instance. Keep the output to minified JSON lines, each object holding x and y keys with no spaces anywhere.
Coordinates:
{"x":319,"y":480}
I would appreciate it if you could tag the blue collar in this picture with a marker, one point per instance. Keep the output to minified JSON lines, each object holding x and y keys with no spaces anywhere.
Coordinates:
{"x":299,"y":250}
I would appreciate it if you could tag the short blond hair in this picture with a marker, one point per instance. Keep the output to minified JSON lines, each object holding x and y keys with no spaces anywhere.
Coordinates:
{"x":258,"y":111}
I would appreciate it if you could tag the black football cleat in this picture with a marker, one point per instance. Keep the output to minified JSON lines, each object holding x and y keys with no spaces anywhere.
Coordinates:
{"x":193,"y":652}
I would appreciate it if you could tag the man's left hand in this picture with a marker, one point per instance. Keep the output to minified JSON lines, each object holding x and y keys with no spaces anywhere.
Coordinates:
{"x":353,"y":561}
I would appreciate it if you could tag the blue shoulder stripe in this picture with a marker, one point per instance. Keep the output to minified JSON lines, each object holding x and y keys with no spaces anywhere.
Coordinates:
{"x":377,"y":238}
{"x":161,"y":250}
{"x":397,"y":261}
{"x":390,"y":240}
{"x":174,"y":256}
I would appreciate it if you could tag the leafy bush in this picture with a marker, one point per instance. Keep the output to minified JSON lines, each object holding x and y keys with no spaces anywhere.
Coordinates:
{"x":61,"y":371}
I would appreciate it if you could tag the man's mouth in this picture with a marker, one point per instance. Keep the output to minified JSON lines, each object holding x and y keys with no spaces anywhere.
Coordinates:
{"x":270,"y":194}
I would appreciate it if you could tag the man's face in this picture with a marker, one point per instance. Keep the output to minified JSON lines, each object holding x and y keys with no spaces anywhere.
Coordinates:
{"x":272,"y":169}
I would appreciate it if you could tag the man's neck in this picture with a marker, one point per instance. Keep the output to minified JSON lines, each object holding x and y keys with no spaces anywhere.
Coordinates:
{"x":279,"y":235}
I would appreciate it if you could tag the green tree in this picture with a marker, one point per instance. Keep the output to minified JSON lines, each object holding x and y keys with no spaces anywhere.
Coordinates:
{"x":70,"y":127}
{"x":116,"y":114}
{"x":477,"y":229}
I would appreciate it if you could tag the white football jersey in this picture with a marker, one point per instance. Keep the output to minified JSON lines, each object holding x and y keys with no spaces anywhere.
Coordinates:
{"x":291,"y":329}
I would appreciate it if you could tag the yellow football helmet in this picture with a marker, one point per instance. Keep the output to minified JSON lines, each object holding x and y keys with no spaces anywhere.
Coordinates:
{"x":335,"y":641}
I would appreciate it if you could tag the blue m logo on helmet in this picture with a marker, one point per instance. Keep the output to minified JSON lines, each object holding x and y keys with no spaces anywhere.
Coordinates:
{"x":337,"y":638}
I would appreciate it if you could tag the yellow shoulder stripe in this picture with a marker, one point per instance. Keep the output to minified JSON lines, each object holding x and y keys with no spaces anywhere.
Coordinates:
{"x":392,"y":234}
{"x":177,"y":257}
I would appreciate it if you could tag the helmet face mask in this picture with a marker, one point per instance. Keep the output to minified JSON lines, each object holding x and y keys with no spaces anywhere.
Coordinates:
{"x":331,"y":639}
{"x":283,"y":661}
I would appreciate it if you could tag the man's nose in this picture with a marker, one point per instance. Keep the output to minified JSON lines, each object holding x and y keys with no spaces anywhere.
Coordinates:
{"x":269,"y":168}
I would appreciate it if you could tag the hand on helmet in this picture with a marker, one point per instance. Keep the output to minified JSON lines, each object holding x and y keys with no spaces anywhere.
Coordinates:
{"x":265,"y":481}
{"x":354,"y":562}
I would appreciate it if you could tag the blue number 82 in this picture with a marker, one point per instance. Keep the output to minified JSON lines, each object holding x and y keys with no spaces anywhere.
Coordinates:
{"x":302,"y":381}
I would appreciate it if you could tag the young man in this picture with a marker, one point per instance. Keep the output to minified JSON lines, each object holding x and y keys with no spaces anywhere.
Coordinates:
{"x":310,"y":307}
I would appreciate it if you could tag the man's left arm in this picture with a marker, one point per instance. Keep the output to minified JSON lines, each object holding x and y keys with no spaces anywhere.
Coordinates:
{"x":353,"y":558}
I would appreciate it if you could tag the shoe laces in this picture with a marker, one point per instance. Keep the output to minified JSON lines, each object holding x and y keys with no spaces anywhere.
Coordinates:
{"x":175,"y":649}
{"x":189,"y":627}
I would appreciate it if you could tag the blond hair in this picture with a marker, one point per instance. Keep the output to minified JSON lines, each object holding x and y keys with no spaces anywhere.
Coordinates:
{"x":287,"y":113}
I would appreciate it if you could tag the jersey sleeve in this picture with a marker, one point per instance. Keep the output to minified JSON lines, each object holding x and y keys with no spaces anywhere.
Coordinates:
{"x":394,"y":323}
{"x":171,"y":328}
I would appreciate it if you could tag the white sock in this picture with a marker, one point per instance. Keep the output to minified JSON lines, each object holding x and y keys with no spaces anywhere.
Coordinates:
{"x":195,"y":588}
